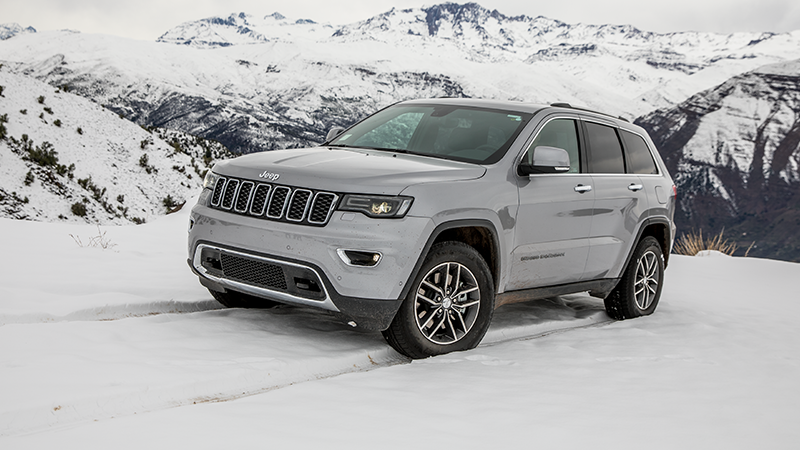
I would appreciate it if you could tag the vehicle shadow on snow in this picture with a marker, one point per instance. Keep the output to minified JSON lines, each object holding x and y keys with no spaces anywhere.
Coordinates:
{"x":516,"y":321}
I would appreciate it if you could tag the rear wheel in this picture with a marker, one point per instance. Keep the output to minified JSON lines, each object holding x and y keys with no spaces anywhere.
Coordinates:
{"x":449,"y":307}
{"x":233,"y":299}
{"x":639,"y":289}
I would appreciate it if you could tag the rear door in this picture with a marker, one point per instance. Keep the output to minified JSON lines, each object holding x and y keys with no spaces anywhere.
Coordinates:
{"x":620,"y":201}
{"x":551,"y":235}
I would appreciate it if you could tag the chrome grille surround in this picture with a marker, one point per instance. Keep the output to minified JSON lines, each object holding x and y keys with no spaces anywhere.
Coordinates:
{"x":243,"y":197}
{"x":231,"y":188}
{"x":272,"y":202}
{"x":260,"y":197}
{"x":277,"y":202}
{"x":298,"y":205}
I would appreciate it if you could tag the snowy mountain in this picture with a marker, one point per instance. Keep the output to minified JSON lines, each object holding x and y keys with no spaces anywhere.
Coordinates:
{"x":9,"y":30}
{"x":65,"y":158}
{"x":735,"y":154}
{"x":261,"y":83}
{"x":241,"y":28}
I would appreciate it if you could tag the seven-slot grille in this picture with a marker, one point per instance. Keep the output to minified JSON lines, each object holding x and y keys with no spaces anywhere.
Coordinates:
{"x":273,"y":202}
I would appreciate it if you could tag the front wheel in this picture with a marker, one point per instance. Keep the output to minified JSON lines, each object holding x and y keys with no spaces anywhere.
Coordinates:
{"x":639,"y":289}
{"x":449,"y":307}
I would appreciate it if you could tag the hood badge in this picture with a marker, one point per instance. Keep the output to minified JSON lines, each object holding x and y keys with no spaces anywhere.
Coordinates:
{"x":269,"y":175}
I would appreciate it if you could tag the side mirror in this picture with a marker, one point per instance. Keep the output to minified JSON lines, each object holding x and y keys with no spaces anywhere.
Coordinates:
{"x":546,"y":160}
{"x":333,"y":132}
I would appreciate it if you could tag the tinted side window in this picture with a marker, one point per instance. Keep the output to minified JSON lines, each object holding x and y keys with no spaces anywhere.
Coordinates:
{"x":560,"y":133}
{"x":637,"y":154}
{"x":605,"y":150}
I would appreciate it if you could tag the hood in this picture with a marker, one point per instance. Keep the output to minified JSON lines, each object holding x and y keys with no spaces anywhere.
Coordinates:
{"x":346,"y":170}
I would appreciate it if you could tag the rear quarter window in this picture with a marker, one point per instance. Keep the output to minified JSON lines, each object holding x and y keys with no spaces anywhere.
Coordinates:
{"x":640,"y":160}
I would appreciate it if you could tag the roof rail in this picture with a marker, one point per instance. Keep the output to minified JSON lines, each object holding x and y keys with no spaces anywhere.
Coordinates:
{"x":567,"y":105}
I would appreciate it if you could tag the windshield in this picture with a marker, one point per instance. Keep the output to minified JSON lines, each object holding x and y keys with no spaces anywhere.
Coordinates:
{"x":451,"y":132}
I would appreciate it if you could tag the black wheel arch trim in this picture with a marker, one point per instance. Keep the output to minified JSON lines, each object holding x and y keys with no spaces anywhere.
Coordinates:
{"x":646,"y":223}
{"x":455,"y":224}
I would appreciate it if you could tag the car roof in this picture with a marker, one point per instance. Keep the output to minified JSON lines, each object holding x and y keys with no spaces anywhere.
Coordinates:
{"x":531,"y":108}
{"x":479,"y":103}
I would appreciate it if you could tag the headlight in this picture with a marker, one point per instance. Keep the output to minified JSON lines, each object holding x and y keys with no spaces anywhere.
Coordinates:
{"x":210,"y":180}
{"x":377,"y":205}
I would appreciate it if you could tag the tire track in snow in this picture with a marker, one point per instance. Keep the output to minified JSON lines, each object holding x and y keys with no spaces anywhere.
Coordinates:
{"x":113,"y":312}
{"x":113,"y":369}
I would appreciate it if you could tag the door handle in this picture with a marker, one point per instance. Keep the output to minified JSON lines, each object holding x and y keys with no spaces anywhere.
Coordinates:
{"x":581,"y":188}
{"x":635,"y":187}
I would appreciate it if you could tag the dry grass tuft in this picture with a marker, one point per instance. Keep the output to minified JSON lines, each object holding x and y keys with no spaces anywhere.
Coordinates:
{"x":99,"y":241}
{"x":692,"y":244}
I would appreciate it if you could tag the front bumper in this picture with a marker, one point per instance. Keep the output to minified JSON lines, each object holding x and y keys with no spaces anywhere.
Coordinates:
{"x":368,"y":296}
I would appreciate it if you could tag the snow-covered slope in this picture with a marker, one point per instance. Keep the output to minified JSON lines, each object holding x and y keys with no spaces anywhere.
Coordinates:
{"x":123,"y":349}
{"x":65,"y":158}
{"x":734,"y":152}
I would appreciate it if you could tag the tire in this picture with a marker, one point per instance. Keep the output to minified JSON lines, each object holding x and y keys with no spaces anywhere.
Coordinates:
{"x":233,"y":299}
{"x":639,"y":289}
{"x":436,"y":317}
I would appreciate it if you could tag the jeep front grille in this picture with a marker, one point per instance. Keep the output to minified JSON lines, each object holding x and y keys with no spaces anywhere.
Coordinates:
{"x":266,"y":201}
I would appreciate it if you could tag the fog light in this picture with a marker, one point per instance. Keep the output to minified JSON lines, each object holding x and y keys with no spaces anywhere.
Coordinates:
{"x":360,"y":258}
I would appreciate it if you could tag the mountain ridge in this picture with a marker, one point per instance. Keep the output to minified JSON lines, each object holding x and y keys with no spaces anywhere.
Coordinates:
{"x":272,"y":82}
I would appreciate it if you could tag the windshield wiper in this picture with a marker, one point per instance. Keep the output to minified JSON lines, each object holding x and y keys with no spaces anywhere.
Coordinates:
{"x":395,"y":150}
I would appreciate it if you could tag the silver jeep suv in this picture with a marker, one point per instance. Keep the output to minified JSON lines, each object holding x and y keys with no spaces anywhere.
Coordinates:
{"x":423,"y":218}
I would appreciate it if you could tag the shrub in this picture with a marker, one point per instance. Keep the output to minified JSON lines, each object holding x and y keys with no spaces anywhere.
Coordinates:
{"x":57,"y":122}
{"x":691,"y":244}
{"x":121,"y":198}
{"x":48,"y":110}
{"x":79,"y":209}
{"x":44,"y":155}
{"x":64,"y":170}
{"x":23,"y":111}
{"x":144,"y":161}
{"x":2,"y":88}
{"x":29,"y":178}
{"x":40,"y":99}
{"x":97,"y":193}
{"x":169,"y":202}
{"x":79,"y":130}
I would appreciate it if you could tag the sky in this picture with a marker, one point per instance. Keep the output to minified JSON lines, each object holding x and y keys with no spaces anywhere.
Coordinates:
{"x":149,"y":19}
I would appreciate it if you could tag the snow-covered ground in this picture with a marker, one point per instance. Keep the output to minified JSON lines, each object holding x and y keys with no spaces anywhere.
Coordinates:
{"x":122,"y":348}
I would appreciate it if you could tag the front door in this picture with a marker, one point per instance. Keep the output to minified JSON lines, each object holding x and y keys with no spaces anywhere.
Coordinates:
{"x":554,"y":218}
